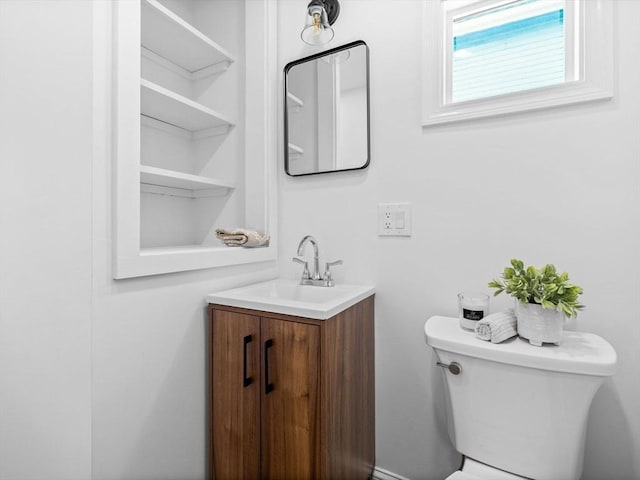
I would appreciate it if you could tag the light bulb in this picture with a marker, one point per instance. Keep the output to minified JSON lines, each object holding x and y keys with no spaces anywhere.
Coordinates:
{"x":316,"y":22}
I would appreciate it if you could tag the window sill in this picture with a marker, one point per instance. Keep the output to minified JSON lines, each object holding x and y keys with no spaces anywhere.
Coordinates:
{"x":548,"y":97}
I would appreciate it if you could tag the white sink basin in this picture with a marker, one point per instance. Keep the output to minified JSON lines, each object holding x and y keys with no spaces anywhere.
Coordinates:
{"x":290,"y":298}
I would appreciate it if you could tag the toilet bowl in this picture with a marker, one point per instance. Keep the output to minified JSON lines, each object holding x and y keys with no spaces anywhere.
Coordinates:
{"x":515,"y":410}
{"x":473,"y":470}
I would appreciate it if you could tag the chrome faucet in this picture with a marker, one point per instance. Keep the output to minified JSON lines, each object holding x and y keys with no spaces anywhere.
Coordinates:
{"x":314,"y":278}
{"x":316,"y":260}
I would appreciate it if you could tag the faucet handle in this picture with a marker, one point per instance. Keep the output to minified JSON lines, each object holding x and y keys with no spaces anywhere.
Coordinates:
{"x":305,"y":271}
{"x":327,"y":272}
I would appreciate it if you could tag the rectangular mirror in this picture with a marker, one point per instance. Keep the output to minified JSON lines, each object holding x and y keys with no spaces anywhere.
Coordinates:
{"x":326,"y":115}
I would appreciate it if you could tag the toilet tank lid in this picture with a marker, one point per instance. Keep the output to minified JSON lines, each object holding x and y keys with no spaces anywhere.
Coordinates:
{"x":578,"y":352}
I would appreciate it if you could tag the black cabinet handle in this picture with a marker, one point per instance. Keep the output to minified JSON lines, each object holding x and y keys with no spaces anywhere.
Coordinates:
{"x":268,"y":387}
{"x":246,"y":381}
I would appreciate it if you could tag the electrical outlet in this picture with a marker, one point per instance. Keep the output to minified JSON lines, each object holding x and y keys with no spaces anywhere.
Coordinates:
{"x":394,"y":219}
{"x":387,"y":223}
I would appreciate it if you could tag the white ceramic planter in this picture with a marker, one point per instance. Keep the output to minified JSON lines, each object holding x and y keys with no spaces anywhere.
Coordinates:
{"x":539,"y":325}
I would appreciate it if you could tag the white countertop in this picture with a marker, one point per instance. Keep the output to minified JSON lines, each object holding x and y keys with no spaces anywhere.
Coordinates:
{"x":290,"y":298}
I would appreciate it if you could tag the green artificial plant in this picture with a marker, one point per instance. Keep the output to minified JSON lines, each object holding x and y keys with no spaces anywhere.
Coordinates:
{"x":543,"y":286}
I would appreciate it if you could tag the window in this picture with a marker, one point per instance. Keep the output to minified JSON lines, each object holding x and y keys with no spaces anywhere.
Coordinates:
{"x":524,"y":41}
{"x":492,"y":57}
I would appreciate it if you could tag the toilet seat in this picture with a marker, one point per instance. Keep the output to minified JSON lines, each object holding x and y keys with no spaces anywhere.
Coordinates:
{"x":460,"y":475}
{"x":474,"y":470}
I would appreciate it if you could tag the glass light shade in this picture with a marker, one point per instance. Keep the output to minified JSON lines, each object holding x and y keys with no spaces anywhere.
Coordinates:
{"x":317,"y":30}
{"x":317,"y":36}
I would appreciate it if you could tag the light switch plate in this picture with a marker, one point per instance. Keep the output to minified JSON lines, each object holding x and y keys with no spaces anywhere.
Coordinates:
{"x":394,"y":219}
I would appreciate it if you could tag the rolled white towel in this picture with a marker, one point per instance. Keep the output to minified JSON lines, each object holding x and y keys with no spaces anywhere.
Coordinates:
{"x":497,"y":327}
{"x":240,"y":237}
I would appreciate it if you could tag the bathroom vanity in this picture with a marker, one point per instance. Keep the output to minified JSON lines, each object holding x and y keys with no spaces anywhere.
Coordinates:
{"x":291,"y":396}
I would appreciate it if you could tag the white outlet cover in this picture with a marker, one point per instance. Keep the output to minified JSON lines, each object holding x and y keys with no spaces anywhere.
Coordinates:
{"x":394,"y":219}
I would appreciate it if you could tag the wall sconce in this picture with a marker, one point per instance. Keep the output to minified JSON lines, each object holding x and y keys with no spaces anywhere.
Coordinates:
{"x":320,"y":16}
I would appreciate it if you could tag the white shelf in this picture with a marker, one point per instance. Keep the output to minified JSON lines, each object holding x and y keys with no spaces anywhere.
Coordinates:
{"x":152,"y":261}
{"x":294,"y":102}
{"x":181,"y":132}
{"x":295,"y":149}
{"x":169,"y":107}
{"x":169,"y":36}
{"x":169,"y":182}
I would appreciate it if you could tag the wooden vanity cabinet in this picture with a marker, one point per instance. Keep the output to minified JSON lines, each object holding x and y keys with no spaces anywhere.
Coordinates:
{"x":291,"y":397}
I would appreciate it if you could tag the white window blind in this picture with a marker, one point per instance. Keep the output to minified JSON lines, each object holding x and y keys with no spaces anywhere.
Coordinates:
{"x":509,"y":48}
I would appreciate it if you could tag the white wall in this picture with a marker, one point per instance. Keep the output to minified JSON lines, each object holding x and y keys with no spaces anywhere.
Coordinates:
{"x":556,"y":186}
{"x":99,"y":378}
{"x":45,"y":240}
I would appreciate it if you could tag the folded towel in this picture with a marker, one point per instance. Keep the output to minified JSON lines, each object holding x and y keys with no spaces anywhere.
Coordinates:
{"x":239,"y":237}
{"x":497,"y":327}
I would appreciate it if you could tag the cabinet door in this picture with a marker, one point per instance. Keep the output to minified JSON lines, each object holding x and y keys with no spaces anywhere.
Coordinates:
{"x":290,"y":385}
{"x":235,"y":386}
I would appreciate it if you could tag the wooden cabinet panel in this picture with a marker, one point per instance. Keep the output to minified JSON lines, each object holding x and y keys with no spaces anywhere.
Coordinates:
{"x":290,"y":409}
{"x":348,"y":394}
{"x":316,"y":420}
{"x":235,"y":404}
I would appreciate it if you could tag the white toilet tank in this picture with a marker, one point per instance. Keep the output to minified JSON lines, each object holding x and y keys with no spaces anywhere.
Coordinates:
{"x":517,"y":407}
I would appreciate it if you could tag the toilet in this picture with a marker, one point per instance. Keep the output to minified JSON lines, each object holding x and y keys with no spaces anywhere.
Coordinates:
{"x":514,"y":410}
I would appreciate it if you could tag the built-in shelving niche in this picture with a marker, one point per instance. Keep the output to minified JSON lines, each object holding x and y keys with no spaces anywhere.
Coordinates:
{"x":195,"y":132}
{"x":294,"y":105}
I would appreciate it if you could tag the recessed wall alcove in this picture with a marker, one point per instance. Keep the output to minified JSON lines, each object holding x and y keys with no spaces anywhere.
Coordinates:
{"x":193,"y":132}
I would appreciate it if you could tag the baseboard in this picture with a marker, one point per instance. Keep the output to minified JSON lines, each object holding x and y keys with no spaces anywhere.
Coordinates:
{"x":381,"y":474}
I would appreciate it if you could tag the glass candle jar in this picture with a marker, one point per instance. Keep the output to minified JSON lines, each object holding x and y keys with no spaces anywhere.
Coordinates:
{"x":471,"y":308}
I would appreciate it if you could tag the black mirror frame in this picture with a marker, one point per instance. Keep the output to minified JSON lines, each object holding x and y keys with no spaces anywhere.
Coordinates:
{"x":316,"y":56}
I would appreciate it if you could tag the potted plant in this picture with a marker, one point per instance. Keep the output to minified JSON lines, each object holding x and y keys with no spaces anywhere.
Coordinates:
{"x":544,"y":300}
